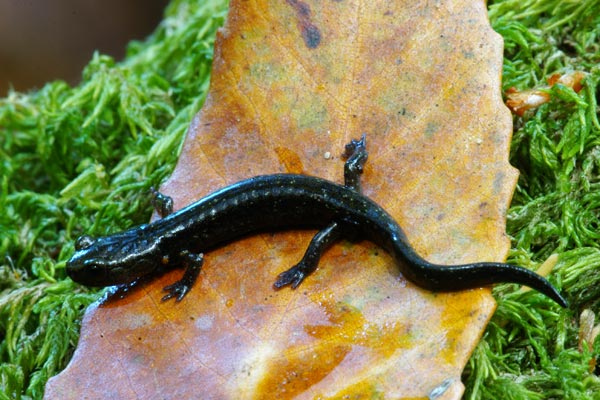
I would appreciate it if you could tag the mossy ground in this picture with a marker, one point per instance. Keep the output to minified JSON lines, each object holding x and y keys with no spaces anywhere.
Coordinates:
{"x":81,"y":159}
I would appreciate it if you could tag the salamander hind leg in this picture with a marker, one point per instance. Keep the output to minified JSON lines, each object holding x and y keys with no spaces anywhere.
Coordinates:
{"x":163,"y":204}
{"x":193,"y":265}
{"x":319,"y":243}
{"x":356,"y":154}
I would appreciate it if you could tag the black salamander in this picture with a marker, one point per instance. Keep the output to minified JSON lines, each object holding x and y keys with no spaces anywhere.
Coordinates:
{"x":273,"y":202}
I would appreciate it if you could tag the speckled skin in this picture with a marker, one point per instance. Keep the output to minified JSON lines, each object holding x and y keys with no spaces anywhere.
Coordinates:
{"x":274,"y":202}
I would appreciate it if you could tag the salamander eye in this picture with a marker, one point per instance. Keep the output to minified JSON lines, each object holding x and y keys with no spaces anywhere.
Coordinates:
{"x":83,"y":242}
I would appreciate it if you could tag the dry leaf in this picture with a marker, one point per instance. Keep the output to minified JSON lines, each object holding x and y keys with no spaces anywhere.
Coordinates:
{"x":520,"y":101}
{"x":587,"y":334}
{"x":292,"y":82}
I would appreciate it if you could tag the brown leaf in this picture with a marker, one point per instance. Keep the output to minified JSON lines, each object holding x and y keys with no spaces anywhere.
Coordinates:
{"x":519,"y":101}
{"x":292,"y":82}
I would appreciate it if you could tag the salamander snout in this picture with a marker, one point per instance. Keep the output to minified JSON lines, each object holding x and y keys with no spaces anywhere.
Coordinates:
{"x":86,"y":265}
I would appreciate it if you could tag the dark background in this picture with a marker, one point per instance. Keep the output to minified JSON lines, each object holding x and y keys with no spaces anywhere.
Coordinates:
{"x":44,"y":40}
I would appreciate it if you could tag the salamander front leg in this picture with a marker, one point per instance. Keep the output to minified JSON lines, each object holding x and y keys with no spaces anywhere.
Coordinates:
{"x":356,"y":154}
{"x":319,"y":243}
{"x":193,"y":265}
{"x":163,"y":204}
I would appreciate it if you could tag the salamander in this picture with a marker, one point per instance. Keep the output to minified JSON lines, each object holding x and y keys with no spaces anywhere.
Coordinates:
{"x":274,"y":202}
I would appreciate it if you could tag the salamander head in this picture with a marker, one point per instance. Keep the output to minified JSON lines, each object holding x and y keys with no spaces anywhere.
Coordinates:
{"x":110,"y":260}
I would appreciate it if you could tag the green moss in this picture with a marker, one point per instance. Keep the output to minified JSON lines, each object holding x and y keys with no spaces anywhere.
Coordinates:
{"x":530,"y":348}
{"x":81,"y":159}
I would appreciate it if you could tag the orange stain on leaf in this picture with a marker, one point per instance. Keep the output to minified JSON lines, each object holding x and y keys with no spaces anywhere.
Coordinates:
{"x":292,"y":82}
{"x":296,"y":370}
{"x":348,"y":326}
{"x":290,"y":160}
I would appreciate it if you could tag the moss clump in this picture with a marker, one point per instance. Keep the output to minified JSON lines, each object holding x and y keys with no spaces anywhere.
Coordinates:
{"x":530,"y":349}
{"x":81,"y":159}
